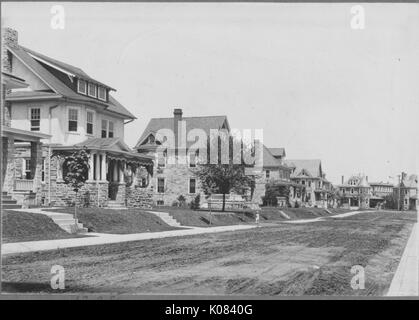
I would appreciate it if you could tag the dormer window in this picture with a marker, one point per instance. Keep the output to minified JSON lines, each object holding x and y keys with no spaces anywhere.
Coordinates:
{"x":92,"y":90}
{"x":101,"y":93}
{"x":81,"y":86}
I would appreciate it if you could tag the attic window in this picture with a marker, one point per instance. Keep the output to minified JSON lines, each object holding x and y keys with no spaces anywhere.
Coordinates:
{"x":81,"y":86}
{"x":92,"y":90}
{"x":101,"y":93}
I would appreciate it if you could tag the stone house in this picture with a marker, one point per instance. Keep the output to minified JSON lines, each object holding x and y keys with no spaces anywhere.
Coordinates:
{"x":407,"y":192}
{"x":173,"y":174}
{"x":309,"y":174}
{"x":379,"y":191}
{"x":76,"y":111}
{"x":356,"y":192}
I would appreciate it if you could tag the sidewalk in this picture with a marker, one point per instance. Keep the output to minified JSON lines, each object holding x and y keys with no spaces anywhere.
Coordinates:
{"x":324,"y":218}
{"x":406,"y":280}
{"x":104,"y":238}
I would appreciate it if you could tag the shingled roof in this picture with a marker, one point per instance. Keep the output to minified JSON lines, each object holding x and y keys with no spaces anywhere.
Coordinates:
{"x":277,"y":152}
{"x":205,"y":123}
{"x":312,"y":167}
{"x":57,"y":86}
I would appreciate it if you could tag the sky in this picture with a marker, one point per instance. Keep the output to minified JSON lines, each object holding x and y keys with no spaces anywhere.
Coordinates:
{"x":317,"y":87}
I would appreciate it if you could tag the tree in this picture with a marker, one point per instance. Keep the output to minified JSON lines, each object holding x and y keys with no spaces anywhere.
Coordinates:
{"x":75,"y":171}
{"x":221,"y":177}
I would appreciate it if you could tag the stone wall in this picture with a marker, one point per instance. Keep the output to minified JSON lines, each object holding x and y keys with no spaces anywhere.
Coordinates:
{"x":92,"y":194}
{"x":8,"y":165}
{"x":138,"y":197}
{"x":176,"y":183}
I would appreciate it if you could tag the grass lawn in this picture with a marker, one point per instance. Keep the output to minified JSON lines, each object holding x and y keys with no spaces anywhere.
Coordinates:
{"x":25,"y":226}
{"x":117,"y":221}
{"x":284,"y":259}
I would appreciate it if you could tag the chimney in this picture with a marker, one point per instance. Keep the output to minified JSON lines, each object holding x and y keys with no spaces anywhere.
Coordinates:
{"x":177,"y":116}
{"x":366,"y":178}
{"x":9,"y":38}
{"x":343,"y":179}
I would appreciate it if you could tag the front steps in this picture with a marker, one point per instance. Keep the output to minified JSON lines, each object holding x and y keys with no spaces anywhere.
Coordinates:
{"x":8,"y":202}
{"x":167,"y":218}
{"x":112,"y":204}
{"x":67,"y":223}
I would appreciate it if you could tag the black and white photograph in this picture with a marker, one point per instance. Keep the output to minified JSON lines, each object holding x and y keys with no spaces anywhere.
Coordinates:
{"x":264,"y":150}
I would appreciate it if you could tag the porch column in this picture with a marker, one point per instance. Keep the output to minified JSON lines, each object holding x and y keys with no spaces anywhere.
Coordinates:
{"x":121,"y":171}
{"x":91,"y":166}
{"x":134,"y":174}
{"x":115,"y":170}
{"x":103,"y":168}
{"x":97,"y":167}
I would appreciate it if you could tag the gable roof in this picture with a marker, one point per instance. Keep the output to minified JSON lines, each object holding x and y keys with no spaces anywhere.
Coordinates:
{"x":105,"y":143}
{"x":59,"y":87}
{"x":310,"y":166}
{"x":205,"y":123}
{"x":277,"y":152}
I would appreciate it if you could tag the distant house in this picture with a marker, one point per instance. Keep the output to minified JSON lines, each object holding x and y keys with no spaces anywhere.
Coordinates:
{"x":77,"y":111}
{"x":379,"y":191}
{"x":407,"y":192}
{"x":309,"y":174}
{"x":355,"y":192}
{"x":175,"y":178}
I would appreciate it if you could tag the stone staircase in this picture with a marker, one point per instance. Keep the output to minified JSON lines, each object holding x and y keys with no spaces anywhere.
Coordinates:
{"x":167,"y":218}
{"x":112,"y":204}
{"x":8,"y":202}
{"x":66,"y":222}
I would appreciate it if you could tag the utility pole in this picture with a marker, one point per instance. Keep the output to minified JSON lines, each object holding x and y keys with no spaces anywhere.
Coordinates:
{"x":398,"y":197}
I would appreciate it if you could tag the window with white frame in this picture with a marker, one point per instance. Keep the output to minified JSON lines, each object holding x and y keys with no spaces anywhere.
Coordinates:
{"x":73,"y":116}
{"x":104,"y":130}
{"x":89,"y":122}
{"x":160,"y":185}
{"x":192,"y":185}
{"x":26,"y":169}
{"x":81,"y":86}
{"x":35,"y":114}
{"x":101,"y":93}
{"x":92,"y":90}
{"x":110,"y":129}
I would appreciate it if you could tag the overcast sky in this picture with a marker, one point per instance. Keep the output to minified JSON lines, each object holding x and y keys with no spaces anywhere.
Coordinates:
{"x":317,"y":87}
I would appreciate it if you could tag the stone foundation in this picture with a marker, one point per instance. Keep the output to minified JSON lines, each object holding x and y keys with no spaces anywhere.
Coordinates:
{"x":92,"y":194}
{"x":139,"y":197}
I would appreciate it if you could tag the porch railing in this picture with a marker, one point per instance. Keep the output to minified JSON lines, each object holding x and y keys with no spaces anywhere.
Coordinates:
{"x":23,"y":185}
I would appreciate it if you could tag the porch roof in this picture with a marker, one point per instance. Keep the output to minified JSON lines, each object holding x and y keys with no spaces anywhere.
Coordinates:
{"x":114,"y":148}
{"x":23,"y":135}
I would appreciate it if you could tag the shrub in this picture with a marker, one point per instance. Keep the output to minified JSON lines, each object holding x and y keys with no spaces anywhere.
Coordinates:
{"x":195,"y":203}
{"x":182,"y":201}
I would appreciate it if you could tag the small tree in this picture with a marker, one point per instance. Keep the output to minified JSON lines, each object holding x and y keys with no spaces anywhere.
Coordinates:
{"x":76,"y":171}
{"x":224,"y":177}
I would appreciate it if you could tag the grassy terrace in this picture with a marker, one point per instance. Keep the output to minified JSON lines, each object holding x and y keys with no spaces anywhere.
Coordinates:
{"x":283,"y":259}
{"x":117,"y":221}
{"x":25,"y":226}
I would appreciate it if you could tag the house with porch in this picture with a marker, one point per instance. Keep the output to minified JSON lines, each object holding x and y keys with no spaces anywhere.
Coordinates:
{"x":75,"y":111}
{"x":309,"y":174}
{"x":175,"y":177}
{"x":356,"y":192}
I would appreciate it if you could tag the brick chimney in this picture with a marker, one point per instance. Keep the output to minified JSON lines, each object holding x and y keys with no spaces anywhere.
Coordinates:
{"x":177,"y":116}
{"x":9,"y":38}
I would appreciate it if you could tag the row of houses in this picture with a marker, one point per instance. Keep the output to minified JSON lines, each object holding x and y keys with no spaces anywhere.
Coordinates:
{"x":52,"y":107}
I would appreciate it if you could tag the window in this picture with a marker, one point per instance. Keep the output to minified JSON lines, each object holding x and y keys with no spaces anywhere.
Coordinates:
{"x":110,"y":129}
{"x":43,"y":170}
{"x":101,"y":93}
{"x":89,"y":122}
{"x":160,"y":185}
{"x":352,"y":190}
{"x":72,"y":120}
{"x":104,"y":128}
{"x":26,"y":169}
{"x":192,"y":185}
{"x":35,"y":119}
{"x":309,"y":183}
{"x":161,"y":163}
{"x":192,"y":159}
{"x":81,"y":86}
{"x":92,"y":90}
{"x":303,"y":182}
{"x":267,"y":174}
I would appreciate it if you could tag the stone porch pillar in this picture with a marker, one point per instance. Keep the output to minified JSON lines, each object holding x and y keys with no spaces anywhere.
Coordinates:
{"x":97,"y":167}
{"x":115,"y":171}
{"x":121,"y":177}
